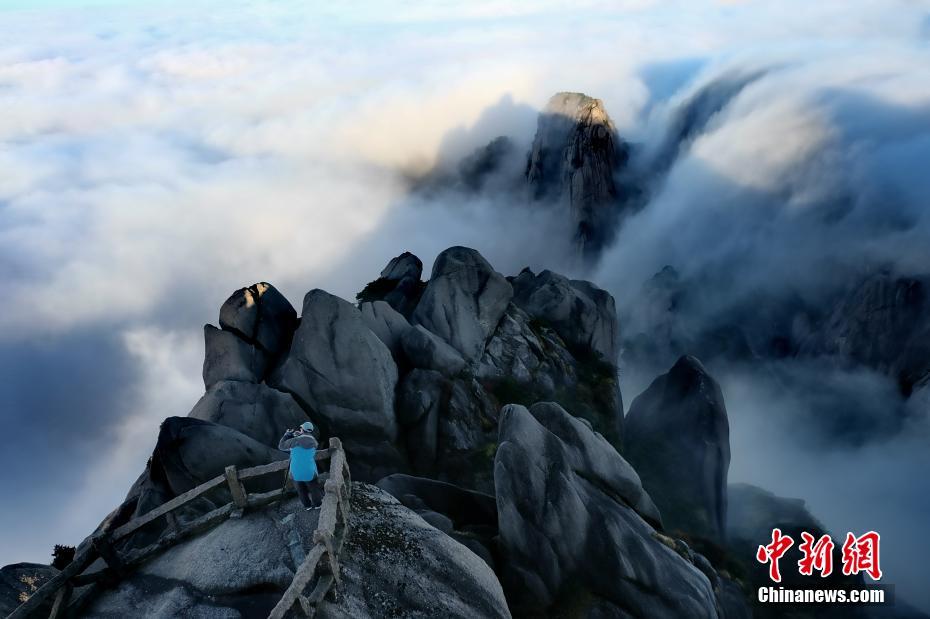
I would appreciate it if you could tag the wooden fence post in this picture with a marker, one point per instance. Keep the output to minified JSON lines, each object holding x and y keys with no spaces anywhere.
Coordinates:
{"x":236,"y":488}
{"x":60,"y":607}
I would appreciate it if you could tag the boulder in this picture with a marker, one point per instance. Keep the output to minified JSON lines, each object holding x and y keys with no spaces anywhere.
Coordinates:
{"x":581,"y":313}
{"x":392,"y":564}
{"x":528,"y":353}
{"x":589,"y":454}
{"x":570,"y":542}
{"x":229,"y":357}
{"x":385,"y":322}
{"x":191,"y":451}
{"x":20,"y":580}
{"x":404,"y":266}
{"x":344,"y":376}
{"x":261,"y":316}
{"x":258,"y":411}
{"x":399,"y":284}
{"x":677,"y":437}
{"x":463,"y":301}
{"x":574,"y":157}
{"x":425,"y":350}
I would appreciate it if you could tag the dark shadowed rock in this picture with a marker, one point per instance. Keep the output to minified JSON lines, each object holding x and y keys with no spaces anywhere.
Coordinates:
{"x":882,"y":323}
{"x":460,"y":505}
{"x":257,"y":411}
{"x":450,"y":425}
{"x":20,"y":580}
{"x":527,"y":361}
{"x":574,"y":157}
{"x":189,"y":452}
{"x":399,"y":284}
{"x":583,"y":314}
{"x":751,"y":515}
{"x":425,"y":350}
{"x":463,"y":301}
{"x":677,"y":437}
{"x":568,"y":541}
{"x":475,"y":170}
{"x":392,"y":564}
{"x":421,"y":397}
{"x":228,"y":357}
{"x":344,"y":377}
{"x":260,"y":315}
{"x":468,"y":517}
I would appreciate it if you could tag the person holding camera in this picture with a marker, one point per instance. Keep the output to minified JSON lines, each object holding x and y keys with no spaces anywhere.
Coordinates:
{"x":302,"y":446}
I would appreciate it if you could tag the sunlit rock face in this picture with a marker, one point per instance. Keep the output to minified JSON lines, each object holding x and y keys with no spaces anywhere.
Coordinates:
{"x":574,"y":158}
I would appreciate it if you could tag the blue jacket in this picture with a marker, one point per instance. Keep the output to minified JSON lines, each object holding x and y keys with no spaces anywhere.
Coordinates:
{"x":303,"y":454}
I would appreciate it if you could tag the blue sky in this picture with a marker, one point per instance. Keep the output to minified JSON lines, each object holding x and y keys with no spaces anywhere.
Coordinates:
{"x":156,"y":156}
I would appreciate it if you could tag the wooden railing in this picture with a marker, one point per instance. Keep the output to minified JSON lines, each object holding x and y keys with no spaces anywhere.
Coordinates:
{"x":326,"y":541}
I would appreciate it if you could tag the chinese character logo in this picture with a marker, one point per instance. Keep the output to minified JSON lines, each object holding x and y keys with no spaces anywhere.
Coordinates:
{"x":817,"y":555}
{"x":860,"y":554}
{"x":773,"y":552}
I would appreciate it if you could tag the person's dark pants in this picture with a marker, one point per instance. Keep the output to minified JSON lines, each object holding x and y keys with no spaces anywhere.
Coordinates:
{"x":309,"y":492}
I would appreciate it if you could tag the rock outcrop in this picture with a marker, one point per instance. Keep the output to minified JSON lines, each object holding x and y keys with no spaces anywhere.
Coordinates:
{"x":464,"y":301}
{"x":257,"y":411}
{"x":882,"y":323}
{"x":584,"y":315}
{"x":678,"y":439}
{"x":575,"y":155}
{"x":260,"y":315}
{"x":20,"y":580}
{"x":399,"y":284}
{"x":537,"y":496}
{"x":752,"y":514}
{"x":256,"y":325}
{"x":393,"y":564}
{"x":426,"y":351}
{"x":571,"y":534}
{"x":344,"y":376}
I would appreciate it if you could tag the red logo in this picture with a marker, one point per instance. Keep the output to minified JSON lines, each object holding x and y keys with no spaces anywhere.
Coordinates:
{"x":860,"y":554}
{"x":817,"y":555}
{"x":773,"y":552}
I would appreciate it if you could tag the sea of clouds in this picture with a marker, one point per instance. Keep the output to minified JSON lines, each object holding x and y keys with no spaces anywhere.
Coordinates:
{"x":155,"y":157}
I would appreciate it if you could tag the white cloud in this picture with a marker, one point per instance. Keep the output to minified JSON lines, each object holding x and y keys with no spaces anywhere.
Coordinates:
{"x":154,"y":158}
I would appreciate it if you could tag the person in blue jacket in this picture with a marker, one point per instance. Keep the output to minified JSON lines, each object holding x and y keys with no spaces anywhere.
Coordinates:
{"x":302,"y":445}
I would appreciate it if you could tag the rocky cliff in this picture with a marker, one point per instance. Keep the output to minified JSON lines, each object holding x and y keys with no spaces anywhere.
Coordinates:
{"x":574,"y":157}
{"x":487,"y":409}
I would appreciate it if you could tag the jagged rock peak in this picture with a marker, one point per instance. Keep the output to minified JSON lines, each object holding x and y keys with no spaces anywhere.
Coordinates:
{"x":574,"y":157}
{"x":677,"y":436}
